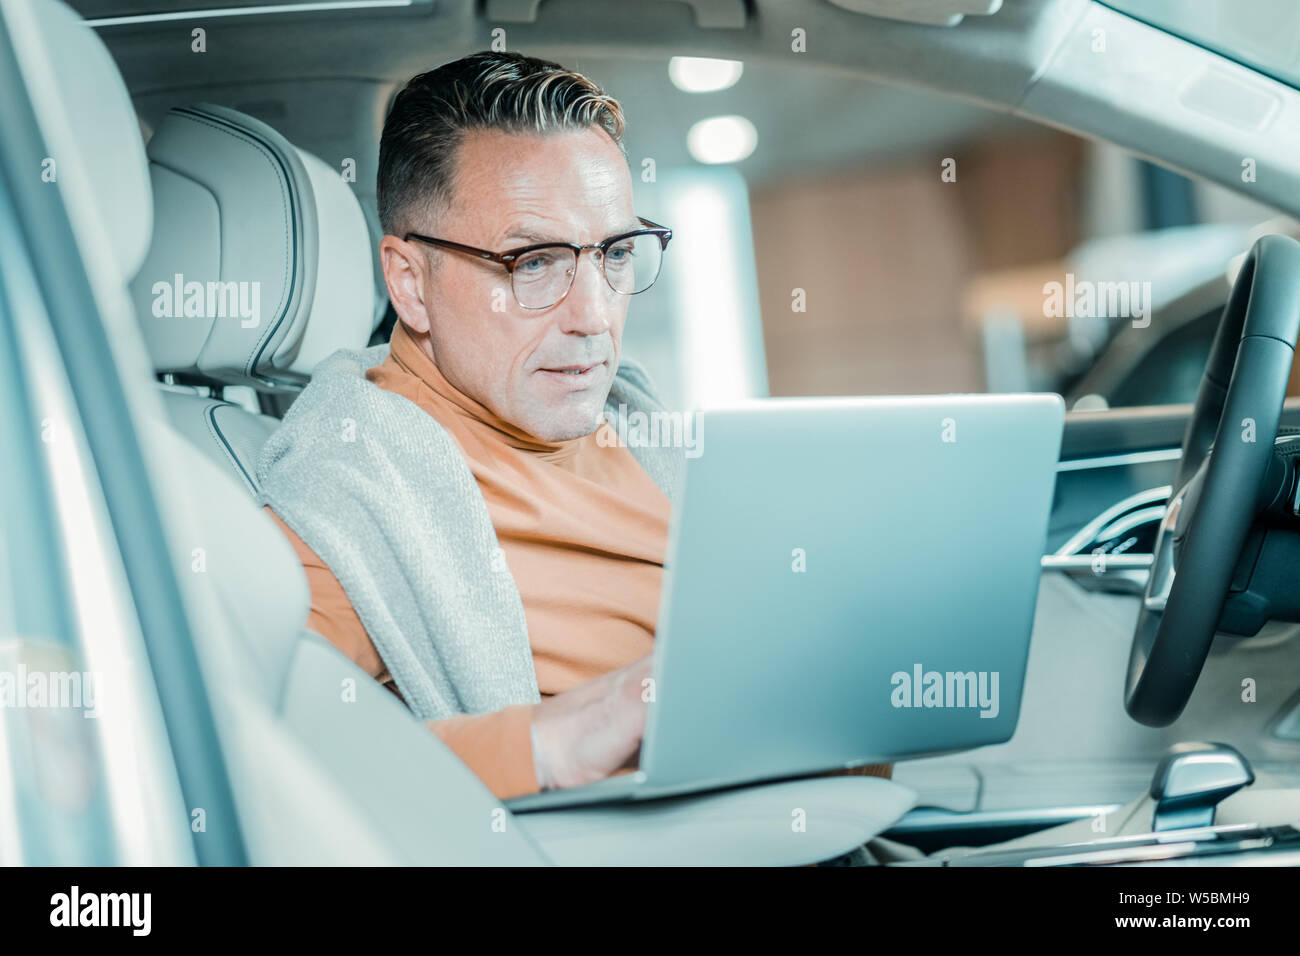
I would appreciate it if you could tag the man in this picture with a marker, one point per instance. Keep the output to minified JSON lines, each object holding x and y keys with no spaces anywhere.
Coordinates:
{"x":514,"y":355}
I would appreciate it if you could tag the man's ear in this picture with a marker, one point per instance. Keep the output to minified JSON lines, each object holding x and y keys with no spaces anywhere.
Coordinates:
{"x":405,"y":270}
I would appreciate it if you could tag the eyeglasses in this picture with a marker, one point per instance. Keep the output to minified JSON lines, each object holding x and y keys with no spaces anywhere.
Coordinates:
{"x":541,"y":275}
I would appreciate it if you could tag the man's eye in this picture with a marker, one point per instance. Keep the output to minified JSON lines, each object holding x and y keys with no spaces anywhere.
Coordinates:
{"x":536,"y":262}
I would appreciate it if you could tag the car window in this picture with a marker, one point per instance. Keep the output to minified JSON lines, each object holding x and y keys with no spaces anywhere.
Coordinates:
{"x":835,"y":235}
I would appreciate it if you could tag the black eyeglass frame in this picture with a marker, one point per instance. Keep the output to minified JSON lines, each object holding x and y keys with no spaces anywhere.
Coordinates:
{"x":508,"y":258}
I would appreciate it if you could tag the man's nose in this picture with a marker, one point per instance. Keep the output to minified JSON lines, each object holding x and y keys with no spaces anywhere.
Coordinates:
{"x":589,"y":307}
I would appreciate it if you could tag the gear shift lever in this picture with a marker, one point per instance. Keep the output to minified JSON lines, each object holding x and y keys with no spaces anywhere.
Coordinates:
{"x":1191,"y":780}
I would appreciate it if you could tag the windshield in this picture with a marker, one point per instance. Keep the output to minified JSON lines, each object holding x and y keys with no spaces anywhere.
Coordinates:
{"x":1264,"y":34}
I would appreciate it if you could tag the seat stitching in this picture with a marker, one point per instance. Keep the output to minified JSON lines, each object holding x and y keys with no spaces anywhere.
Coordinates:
{"x":287,"y":286}
{"x":209,"y":416}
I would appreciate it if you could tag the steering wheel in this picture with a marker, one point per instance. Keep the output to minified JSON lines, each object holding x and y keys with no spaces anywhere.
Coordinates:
{"x":1227,"y":449}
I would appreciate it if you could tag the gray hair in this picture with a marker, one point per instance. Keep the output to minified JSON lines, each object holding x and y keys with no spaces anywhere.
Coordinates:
{"x":487,"y":90}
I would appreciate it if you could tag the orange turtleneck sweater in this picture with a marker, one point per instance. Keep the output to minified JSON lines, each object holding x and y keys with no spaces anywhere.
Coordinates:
{"x":583,"y":529}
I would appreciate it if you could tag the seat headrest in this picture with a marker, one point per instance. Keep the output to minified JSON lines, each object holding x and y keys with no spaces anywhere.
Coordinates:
{"x":106,"y":155}
{"x":261,"y":263}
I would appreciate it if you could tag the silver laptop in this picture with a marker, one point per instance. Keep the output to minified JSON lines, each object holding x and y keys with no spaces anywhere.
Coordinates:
{"x":848,"y":581}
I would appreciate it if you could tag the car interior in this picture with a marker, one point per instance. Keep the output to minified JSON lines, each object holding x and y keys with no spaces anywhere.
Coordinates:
{"x":196,"y":145}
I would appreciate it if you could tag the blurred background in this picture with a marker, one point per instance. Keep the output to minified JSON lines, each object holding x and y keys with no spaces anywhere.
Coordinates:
{"x":836,"y":236}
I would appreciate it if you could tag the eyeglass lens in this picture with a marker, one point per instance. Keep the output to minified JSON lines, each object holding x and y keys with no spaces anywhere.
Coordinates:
{"x":541,"y":278}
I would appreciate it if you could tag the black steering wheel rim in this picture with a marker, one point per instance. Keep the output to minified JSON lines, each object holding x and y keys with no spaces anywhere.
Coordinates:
{"x":1237,"y":412}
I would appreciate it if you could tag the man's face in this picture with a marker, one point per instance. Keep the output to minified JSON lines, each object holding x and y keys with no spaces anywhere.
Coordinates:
{"x":513,"y":190}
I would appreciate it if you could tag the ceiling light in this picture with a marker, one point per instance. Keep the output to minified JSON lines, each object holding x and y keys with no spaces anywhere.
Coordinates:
{"x":700,"y":74}
{"x":722,"y":139}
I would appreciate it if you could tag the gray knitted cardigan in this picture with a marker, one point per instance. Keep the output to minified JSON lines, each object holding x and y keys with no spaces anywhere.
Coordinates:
{"x":380,"y":490}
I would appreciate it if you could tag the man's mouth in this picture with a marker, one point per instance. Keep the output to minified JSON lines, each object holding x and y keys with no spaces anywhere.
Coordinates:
{"x":573,"y":375}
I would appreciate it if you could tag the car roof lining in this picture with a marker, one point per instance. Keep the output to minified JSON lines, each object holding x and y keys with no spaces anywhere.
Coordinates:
{"x":1011,"y":62}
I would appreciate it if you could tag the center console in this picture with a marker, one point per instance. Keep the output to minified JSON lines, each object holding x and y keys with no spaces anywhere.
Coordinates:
{"x":1174,"y":825}
{"x":1241,"y":844}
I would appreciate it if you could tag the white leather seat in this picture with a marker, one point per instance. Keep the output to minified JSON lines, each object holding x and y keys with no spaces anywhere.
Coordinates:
{"x":235,"y":202}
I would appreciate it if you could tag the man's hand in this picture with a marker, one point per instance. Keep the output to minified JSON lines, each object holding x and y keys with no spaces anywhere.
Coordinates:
{"x":588,"y":732}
